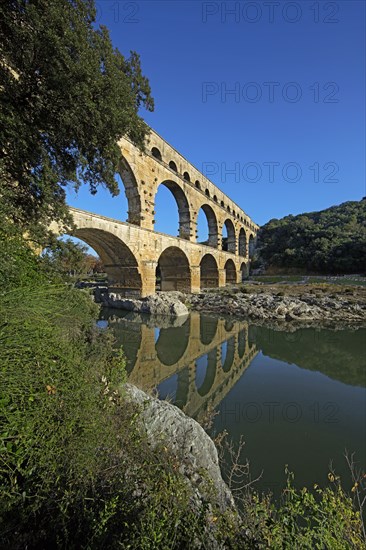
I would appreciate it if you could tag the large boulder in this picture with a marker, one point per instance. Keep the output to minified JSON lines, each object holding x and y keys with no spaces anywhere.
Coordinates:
{"x":162,"y":304}
{"x":197,"y":454}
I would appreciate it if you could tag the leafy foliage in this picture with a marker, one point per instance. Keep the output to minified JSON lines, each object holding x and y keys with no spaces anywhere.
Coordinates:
{"x":67,"y":97}
{"x":70,"y":258}
{"x":329,"y":241}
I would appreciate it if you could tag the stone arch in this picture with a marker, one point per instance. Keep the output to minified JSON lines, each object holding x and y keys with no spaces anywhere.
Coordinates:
{"x":183,"y":207}
{"x":207,"y":193}
{"x":230,"y":272}
{"x":208,"y":328}
{"x":197,"y":184}
{"x":215,"y":198}
{"x":230,"y":354}
{"x":131,"y":191}
{"x":242,"y":242}
{"x":210,"y":372}
{"x":119,"y":262}
{"x":156,"y":153}
{"x":251,"y":245}
{"x":222,"y":204}
{"x":172,"y":343}
{"x":244,"y":269}
{"x":173,"y":166}
{"x":174,"y":269}
{"x":213,"y":235}
{"x":229,"y":244}
{"x":186,"y":176}
{"x":242,"y":338}
{"x":209,"y":273}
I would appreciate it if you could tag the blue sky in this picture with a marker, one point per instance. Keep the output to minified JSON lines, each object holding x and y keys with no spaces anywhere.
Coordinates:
{"x":290,"y":137}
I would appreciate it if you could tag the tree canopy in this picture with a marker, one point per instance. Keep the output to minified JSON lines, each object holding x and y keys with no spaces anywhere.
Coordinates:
{"x":328,"y":241}
{"x":67,"y":97}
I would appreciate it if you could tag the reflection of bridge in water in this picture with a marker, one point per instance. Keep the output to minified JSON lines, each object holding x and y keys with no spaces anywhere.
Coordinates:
{"x":196,"y":363}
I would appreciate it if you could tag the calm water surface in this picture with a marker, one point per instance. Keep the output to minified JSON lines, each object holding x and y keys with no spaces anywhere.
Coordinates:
{"x":297,"y":398}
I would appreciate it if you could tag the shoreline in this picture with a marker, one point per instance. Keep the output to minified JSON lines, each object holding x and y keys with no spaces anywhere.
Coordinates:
{"x":286,"y":307}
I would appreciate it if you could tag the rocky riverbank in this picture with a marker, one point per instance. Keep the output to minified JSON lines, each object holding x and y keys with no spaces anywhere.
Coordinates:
{"x":303,"y":305}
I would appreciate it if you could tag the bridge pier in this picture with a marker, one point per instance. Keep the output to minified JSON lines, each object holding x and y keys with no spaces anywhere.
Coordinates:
{"x":222,"y":277}
{"x":148,"y":277}
{"x":195,"y":279}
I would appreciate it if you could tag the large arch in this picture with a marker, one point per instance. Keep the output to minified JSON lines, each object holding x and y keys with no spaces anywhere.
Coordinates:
{"x":242,"y":242}
{"x":184,"y":229}
{"x":211,"y":224}
{"x":119,"y":262}
{"x":209,"y":273}
{"x":174,"y":270}
{"x":229,"y":242}
{"x":172,"y":343}
{"x":131,"y":192}
{"x":230,"y":272}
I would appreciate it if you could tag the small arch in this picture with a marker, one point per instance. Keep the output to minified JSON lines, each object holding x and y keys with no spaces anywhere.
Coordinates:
{"x":131,"y":191}
{"x":183,"y":208}
{"x":207,"y":193}
{"x":222,"y":204}
{"x":229,"y":325}
{"x":186,"y":176}
{"x":229,"y":354}
{"x":228,"y":240}
{"x":242,"y":243}
{"x":209,"y":272}
{"x":156,"y":153}
{"x":215,"y":198}
{"x":173,"y":166}
{"x":242,"y":338}
{"x":205,"y":372}
{"x":251,"y":246}
{"x":230,"y":272}
{"x":228,"y":209}
{"x":208,"y":328}
{"x":212,"y":233}
{"x":174,"y":270}
{"x":197,"y":184}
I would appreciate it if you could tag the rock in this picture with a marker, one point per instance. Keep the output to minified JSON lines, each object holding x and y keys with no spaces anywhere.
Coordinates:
{"x":197,"y":454}
{"x":162,"y":304}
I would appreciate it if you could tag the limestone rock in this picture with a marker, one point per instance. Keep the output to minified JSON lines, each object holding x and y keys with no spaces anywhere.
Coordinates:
{"x":187,"y":439}
{"x":162,"y":304}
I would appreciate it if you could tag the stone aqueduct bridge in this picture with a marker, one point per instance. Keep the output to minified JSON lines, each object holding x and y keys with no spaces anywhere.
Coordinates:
{"x":132,"y":250}
{"x":176,"y":351}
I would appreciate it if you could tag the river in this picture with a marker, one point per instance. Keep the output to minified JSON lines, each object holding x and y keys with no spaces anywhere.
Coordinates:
{"x":297,"y":398}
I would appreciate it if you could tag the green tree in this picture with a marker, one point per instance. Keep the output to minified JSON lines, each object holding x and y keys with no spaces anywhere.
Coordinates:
{"x":67,"y":97}
{"x":328,"y":241}
{"x":69,"y":258}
